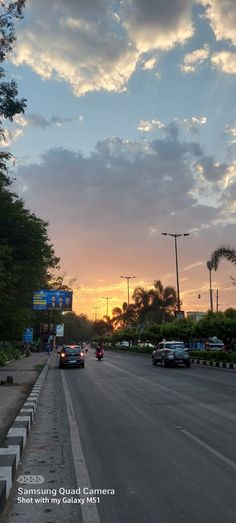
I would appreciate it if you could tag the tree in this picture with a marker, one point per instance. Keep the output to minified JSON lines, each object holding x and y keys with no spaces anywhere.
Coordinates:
{"x":154,"y":305}
{"x":101,"y":328}
{"x":10,"y":12}
{"x":164,"y":302}
{"x":76,"y":327}
{"x":143,"y":302}
{"x":26,"y":261}
{"x":227,"y":253}
{"x":123,"y":317}
{"x":27,"y":258}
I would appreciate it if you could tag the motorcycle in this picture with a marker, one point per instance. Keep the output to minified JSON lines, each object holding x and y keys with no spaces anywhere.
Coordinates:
{"x":99,"y":354}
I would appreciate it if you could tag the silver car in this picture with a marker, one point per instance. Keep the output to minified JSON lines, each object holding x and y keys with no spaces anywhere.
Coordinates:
{"x":171,"y":353}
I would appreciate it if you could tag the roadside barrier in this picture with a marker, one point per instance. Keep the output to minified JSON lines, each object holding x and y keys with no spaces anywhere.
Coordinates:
{"x":218,"y":364}
{"x":14,"y":443}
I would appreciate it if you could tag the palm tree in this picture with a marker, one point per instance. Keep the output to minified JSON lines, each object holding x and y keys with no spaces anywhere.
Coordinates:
{"x":123,"y":317}
{"x":155,"y":304}
{"x":228,"y":253}
{"x":165,"y":301}
{"x":143,"y":300}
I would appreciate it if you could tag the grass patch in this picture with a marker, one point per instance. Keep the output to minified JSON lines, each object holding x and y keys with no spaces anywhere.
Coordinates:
{"x":40,"y":366}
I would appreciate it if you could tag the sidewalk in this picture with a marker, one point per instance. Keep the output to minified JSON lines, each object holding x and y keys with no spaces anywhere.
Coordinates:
{"x":12,"y":396}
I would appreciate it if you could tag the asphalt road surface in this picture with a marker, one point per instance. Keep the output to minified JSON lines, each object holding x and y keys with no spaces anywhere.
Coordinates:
{"x":161,"y":441}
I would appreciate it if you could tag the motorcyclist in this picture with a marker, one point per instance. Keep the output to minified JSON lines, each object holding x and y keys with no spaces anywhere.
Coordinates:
{"x":99,"y":349}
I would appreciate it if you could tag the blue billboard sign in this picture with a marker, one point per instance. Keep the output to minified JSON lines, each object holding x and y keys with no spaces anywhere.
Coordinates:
{"x":28,"y":335}
{"x":50,"y":300}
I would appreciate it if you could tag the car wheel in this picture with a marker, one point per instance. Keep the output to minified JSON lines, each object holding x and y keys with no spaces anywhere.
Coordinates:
{"x":187,"y":364}
{"x":154,"y":362}
{"x":60,"y":366}
{"x":82,"y":365}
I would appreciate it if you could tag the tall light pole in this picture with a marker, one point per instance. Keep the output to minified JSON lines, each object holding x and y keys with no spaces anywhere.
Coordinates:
{"x":175,"y":236}
{"x":106,"y":298}
{"x":95,"y":314}
{"x":128,"y":278}
{"x":210,"y":267}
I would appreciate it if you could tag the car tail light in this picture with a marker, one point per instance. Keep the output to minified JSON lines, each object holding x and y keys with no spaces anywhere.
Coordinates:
{"x":82,"y":353}
{"x":62,"y":355}
{"x":167,"y":351}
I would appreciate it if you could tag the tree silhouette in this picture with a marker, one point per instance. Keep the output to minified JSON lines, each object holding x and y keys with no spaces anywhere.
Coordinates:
{"x":227,"y":253}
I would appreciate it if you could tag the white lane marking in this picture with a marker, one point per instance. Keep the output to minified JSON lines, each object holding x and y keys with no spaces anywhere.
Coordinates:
{"x":89,"y":511}
{"x":179,"y":395}
{"x":210,"y":449}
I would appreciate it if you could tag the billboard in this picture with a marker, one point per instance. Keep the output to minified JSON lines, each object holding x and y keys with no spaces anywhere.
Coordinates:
{"x":52,"y":300}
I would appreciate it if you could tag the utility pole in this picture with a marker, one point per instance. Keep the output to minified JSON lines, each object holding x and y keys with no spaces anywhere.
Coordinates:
{"x":128,"y":278}
{"x":107,"y":299}
{"x":175,"y":236}
{"x":95,"y":314}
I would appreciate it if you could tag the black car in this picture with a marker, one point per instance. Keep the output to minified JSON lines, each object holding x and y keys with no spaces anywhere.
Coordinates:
{"x":171,"y":353}
{"x":71,"y":356}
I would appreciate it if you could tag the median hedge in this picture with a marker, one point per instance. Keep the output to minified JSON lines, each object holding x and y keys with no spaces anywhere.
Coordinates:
{"x":226,"y":357}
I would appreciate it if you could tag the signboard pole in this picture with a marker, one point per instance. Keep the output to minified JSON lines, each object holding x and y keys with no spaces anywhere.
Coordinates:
{"x":49,"y":324}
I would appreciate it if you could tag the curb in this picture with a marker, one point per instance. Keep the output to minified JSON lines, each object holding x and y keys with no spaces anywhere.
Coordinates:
{"x":215,"y":364}
{"x":15,"y":440}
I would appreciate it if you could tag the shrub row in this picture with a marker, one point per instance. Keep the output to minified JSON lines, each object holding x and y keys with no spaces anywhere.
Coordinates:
{"x":132,"y":348}
{"x":195,"y":354}
{"x":8,"y":351}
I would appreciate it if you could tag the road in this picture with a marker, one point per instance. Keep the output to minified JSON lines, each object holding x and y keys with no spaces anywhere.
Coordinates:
{"x":162,"y":439}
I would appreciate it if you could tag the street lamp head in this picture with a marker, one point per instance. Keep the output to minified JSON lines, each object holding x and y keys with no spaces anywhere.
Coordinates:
{"x":164,"y":233}
{"x":186,"y":234}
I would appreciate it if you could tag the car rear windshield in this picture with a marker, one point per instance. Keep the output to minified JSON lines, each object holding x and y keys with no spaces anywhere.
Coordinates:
{"x":72,"y":351}
{"x":174,"y":346}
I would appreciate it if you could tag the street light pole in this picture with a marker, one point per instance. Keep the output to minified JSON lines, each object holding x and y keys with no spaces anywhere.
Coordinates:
{"x":95,"y":314}
{"x":175,"y":236}
{"x":128,"y":278}
{"x":210,"y":267}
{"x":106,"y":298}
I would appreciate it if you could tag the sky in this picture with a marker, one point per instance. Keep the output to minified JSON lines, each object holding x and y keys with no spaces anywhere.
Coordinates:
{"x":129,"y":131}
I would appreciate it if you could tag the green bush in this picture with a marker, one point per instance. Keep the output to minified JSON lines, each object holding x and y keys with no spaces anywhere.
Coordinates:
{"x":8,"y":351}
{"x":132,"y":348}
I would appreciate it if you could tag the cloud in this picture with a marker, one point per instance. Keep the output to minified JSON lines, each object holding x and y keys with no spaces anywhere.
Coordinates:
{"x":80,"y":42}
{"x":192,"y":61}
{"x":107,"y":210}
{"x":224,"y":61}
{"x":155,"y":24}
{"x":231,"y":130}
{"x":222,"y":17}
{"x":146,"y":126}
{"x":97,"y":45}
{"x":37,"y":120}
{"x":211,"y":170}
{"x":129,"y":186}
{"x":192,"y":124}
{"x":150,"y":63}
